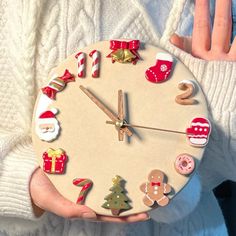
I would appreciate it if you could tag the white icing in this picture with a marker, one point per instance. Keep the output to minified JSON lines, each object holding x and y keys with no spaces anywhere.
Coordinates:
{"x":164,"y":56}
{"x":198,"y":141}
{"x":43,"y":104}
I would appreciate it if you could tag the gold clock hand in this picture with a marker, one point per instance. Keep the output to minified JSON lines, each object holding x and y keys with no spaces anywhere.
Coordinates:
{"x":103,"y":108}
{"x":118,"y":124}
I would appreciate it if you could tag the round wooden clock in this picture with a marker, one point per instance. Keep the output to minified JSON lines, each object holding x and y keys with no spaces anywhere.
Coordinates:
{"x":120,"y":126}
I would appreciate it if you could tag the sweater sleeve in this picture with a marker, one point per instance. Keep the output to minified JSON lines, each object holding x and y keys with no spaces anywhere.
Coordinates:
{"x":218,"y":82}
{"x":17,"y":163}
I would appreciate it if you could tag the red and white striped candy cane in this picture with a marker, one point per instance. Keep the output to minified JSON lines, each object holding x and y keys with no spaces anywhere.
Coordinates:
{"x":96,"y":63}
{"x":86,"y":185}
{"x":81,"y":64}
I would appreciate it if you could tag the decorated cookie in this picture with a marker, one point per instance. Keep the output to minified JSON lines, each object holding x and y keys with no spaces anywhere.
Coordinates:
{"x":161,"y":71}
{"x":199,"y":132}
{"x":54,"y":161}
{"x":86,"y":185}
{"x":118,"y":124}
{"x":117,"y":200}
{"x":124,"y":51}
{"x":95,"y":55}
{"x":184,"y":164}
{"x":47,"y":126}
{"x":186,"y":98}
{"x":155,"y":189}
{"x":81,"y":60}
{"x":57,"y":84}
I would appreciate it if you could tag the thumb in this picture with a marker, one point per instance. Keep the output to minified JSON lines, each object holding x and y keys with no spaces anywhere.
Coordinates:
{"x":46,"y":196}
{"x":63,"y":207}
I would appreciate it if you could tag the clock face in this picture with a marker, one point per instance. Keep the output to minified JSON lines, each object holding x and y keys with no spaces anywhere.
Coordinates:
{"x":91,"y":149}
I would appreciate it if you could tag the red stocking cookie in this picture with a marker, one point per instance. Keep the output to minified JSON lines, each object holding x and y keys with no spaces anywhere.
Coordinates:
{"x":155,"y":189}
{"x":161,"y":71}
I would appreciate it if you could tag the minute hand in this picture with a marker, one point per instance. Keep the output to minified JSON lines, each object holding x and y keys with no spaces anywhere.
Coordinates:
{"x":146,"y":127}
{"x":110,"y":114}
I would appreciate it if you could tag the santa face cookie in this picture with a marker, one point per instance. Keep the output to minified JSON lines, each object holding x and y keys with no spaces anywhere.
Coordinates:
{"x":47,"y":126}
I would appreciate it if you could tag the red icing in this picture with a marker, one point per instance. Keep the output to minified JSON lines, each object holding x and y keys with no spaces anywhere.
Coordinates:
{"x":81,"y":63}
{"x":60,"y":164}
{"x":199,"y":131}
{"x":51,"y":92}
{"x":160,"y":72}
{"x":132,"y":45}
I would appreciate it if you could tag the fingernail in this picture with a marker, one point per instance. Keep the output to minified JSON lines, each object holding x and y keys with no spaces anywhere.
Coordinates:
{"x":89,"y":215}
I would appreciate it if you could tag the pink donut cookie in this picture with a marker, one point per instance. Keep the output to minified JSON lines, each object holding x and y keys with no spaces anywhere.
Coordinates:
{"x":184,"y":164}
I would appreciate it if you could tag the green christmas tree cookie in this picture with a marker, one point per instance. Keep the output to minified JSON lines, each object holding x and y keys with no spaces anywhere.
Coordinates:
{"x":116,"y":201}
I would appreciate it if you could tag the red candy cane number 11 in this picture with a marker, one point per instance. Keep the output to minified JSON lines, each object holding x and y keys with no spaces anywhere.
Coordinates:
{"x":95,"y":55}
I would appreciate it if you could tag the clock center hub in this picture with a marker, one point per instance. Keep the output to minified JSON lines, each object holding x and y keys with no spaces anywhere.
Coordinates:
{"x":119,"y":124}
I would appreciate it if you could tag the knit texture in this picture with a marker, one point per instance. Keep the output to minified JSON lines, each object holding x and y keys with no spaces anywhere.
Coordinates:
{"x":218,"y":82}
{"x":34,"y":40}
{"x":15,"y":198}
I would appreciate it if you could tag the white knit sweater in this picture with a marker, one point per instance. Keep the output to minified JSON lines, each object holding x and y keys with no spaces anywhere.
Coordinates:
{"x":36,"y":36}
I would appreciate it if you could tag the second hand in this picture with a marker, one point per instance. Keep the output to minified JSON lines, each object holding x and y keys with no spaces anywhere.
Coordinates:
{"x":143,"y":127}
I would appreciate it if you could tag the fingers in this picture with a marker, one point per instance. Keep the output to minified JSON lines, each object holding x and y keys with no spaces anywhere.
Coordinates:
{"x":128,"y":219}
{"x":201,"y":38}
{"x":184,"y":43}
{"x":177,"y":41}
{"x":63,"y":207}
{"x":45,"y":196}
{"x":222,"y":29}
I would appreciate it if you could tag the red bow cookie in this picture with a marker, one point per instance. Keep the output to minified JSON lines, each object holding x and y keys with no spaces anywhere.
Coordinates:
{"x":123,"y":51}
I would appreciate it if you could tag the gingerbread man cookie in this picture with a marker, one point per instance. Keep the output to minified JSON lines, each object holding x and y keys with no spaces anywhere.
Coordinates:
{"x":155,"y":189}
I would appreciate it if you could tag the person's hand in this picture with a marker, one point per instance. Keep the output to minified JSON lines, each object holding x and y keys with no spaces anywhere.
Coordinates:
{"x":206,"y":43}
{"x":46,"y":197}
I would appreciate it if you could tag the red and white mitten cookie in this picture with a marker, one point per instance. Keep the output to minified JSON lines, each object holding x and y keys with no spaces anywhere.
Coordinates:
{"x":199,"y":132}
{"x":161,"y":71}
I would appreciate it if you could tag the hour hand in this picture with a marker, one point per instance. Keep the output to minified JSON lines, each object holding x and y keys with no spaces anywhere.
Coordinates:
{"x":121,"y":128}
{"x":108,"y":112}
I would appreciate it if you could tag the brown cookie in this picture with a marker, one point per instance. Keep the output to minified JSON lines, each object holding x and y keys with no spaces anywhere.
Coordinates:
{"x":155,"y":189}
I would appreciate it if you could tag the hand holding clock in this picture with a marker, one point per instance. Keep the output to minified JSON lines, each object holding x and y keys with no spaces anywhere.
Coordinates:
{"x":46,"y":197}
